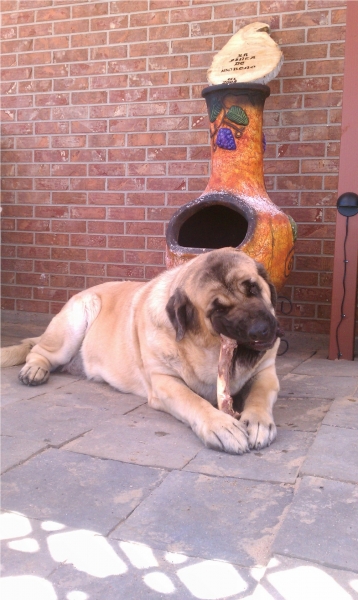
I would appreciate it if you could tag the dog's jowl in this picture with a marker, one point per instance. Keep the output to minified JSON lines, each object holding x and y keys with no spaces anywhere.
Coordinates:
{"x":162,"y":339}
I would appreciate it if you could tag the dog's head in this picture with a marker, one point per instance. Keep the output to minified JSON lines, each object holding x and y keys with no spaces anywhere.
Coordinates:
{"x":225,"y":292}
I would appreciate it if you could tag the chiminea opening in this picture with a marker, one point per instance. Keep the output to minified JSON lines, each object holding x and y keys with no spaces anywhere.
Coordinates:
{"x":213,"y":227}
{"x":215,"y":220}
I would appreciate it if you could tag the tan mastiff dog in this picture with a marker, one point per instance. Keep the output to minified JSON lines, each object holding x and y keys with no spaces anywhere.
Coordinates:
{"x":161,"y":340}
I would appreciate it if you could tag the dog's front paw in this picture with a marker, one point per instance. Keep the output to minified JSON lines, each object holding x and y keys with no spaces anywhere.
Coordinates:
{"x":260,"y":428}
{"x":33,"y":375}
{"x":223,"y":432}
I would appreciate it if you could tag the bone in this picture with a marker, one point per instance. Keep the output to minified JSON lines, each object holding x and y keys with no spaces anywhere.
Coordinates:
{"x":225,"y":401}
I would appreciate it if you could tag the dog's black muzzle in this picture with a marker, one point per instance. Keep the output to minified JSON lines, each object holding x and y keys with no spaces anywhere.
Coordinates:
{"x":257,"y":332}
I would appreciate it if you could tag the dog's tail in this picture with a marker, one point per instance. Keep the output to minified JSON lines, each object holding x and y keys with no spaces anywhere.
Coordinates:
{"x":16,"y":355}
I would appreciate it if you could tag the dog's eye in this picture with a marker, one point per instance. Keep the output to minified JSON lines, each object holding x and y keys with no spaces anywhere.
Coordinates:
{"x":219,"y":306}
{"x":251,"y":288}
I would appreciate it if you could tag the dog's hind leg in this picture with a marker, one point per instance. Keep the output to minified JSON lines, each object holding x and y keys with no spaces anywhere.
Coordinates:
{"x":62,"y":339}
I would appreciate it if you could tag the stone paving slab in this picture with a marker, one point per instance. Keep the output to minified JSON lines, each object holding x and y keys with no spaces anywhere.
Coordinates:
{"x":13,"y":391}
{"x":293,"y":579}
{"x":315,"y":386}
{"x":322,"y":524}
{"x":15,"y":450}
{"x":77,"y":490}
{"x":63,"y":414}
{"x":279,"y":463}
{"x":319,"y":366}
{"x":144,"y":437}
{"x":212,"y":517}
{"x":343,"y":413}
{"x":333,"y":454}
{"x":300,"y":414}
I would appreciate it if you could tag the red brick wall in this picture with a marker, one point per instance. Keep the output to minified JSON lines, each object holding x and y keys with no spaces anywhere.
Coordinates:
{"x":105,"y":134}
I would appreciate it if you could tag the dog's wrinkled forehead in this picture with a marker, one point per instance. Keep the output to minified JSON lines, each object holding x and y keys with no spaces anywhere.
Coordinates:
{"x":227,"y":269}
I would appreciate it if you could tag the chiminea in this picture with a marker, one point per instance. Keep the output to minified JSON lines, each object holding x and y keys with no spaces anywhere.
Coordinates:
{"x":235,"y":209}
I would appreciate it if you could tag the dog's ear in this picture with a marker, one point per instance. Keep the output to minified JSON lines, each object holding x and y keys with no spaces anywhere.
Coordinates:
{"x":181,"y":313}
{"x":263,"y":273}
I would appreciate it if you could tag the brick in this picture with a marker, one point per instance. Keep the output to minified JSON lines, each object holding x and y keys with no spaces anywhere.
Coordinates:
{"x":323,"y":34}
{"x":108,"y":52}
{"x":114,"y":139}
{"x":326,"y":99}
{"x":149,"y":49}
{"x":88,"y":155}
{"x":126,"y":183}
{"x":56,"y":212}
{"x":324,"y":67}
{"x":69,"y":113}
{"x":44,"y":85}
{"x":106,"y":170}
{"x":146,"y":139}
{"x":147,"y":169}
{"x":304,"y":117}
{"x":87,"y":212}
{"x":306,"y":84}
{"x":18,"y":17}
{"x":51,"y":43}
{"x":51,"y":183}
{"x":145,"y":199}
{"x":320,"y":166}
{"x":34,"y":197}
{"x":209,"y":28}
{"x":149,"y":79}
{"x":34,"y":31}
{"x":67,"y":281}
{"x":52,"y":127}
{"x":52,"y":239}
{"x":32,"y":142}
{"x":16,"y":101}
{"x":51,"y":71}
{"x":70,"y":84}
{"x":89,"y":97}
{"x":12,"y":74}
{"x":105,"y":198}
{"x":154,"y":258}
{"x":107,"y":227}
{"x":151,"y":272}
{"x":107,"y":23}
{"x":305,"y":51}
{"x":132,"y":95}
{"x":168,"y":153}
{"x":128,"y":125}
{"x":99,"y":112}
{"x":125,"y":272}
{"x":71,"y":26}
{"x":52,"y":99}
{"x":88,"y":126}
{"x":149,"y":19}
{"x":126,"y":213}
{"x":126,"y":242}
{"x":82,"y":268}
{"x":10,"y":291}
{"x":51,"y":156}
{"x":33,"y":225}
{"x":89,"y":39}
{"x":87,"y":184}
{"x":106,"y":256}
{"x":126,"y":154}
{"x":34,"y":114}
{"x":89,"y":68}
{"x":69,"y":198}
{"x":156,"y":243}
{"x":92,"y":10}
{"x":66,"y":226}
{"x":66,"y":56}
{"x":169,"y":32}
{"x":127,"y":6}
{"x":109,"y":81}
{"x":192,"y":45}
{"x":69,"y":141}
{"x":299,"y":182}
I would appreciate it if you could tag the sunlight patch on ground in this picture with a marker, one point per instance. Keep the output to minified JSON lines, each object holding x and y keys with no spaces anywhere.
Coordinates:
{"x":14,"y":525}
{"x":87,"y":551}
{"x":308,"y":582}
{"x":212,"y":580}
{"x":26,"y":587}
{"x":26,"y":545}
{"x":159,"y":582}
{"x":140,"y":555}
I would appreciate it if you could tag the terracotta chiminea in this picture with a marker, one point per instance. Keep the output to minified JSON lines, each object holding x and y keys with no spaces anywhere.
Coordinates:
{"x":235,"y":209}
